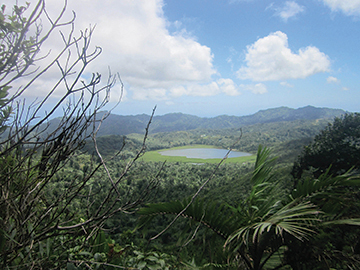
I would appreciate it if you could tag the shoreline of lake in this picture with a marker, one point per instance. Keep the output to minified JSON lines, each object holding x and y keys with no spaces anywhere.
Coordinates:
{"x":155,"y":156}
{"x":202,"y":153}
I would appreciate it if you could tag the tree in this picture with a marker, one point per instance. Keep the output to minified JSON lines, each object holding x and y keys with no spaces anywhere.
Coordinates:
{"x":266,"y":230}
{"x":36,"y":230}
{"x":14,"y":53}
{"x":338,"y":146}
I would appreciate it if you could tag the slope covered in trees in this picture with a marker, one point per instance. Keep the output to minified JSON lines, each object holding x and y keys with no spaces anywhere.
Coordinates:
{"x":337,"y":145}
{"x":127,"y":124}
{"x":122,"y":125}
{"x":286,"y":138}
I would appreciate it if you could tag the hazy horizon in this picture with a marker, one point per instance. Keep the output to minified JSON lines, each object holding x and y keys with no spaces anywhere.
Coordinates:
{"x":157,"y":114}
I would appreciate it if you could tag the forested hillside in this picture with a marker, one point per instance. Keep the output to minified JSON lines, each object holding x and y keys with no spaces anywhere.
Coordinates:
{"x":286,"y":138}
{"x":285,"y":130}
{"x":127,"y":124}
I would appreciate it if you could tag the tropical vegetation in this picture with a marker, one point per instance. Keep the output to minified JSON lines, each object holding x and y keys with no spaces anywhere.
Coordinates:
{"x":337,"y":144}
{"x":74,"y":196}
{"x":266,"y":229}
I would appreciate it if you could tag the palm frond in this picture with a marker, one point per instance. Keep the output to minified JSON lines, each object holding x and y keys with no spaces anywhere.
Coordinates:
{"x":326,"y":181}
{"x":349,"y":221}
{"x":264,"y":191}
{"x":293,"y":219}
{"x":263,"y":166}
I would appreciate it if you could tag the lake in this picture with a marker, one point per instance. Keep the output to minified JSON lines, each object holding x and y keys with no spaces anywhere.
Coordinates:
{"x":203,"y":153}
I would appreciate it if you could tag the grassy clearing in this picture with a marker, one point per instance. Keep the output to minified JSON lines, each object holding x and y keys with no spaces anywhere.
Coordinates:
{"x":156,"y":157}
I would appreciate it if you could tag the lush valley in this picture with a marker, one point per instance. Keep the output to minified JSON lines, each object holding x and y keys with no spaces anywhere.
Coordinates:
{"x":154,"y":180}
{"x":180,"y":178}
{"x":88,"y":190}
{"x":286,"y":138}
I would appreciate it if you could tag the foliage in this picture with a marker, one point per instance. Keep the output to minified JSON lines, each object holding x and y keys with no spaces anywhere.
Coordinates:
{"x":65,"y":206}
{"x":261,"y":230}
{"x":337,"y":145}
{"x":105,"y":253}
{"x":109,"y":145}
{"x":51,"y":211}
{"x":17,"y":53}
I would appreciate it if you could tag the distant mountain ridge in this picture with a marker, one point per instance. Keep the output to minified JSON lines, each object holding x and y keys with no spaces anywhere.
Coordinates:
{"x":127,"y":124}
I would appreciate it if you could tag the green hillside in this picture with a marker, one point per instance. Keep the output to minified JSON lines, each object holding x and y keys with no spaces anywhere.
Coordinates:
{"x":123,"y":125}
{"x":286,"y":138}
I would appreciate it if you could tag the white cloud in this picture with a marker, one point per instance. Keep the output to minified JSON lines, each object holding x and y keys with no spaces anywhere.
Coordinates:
{"x":332,"y":79}
{"x":137,"y":44}
{"x":286,"y":84}
{"x":288,"y":10}
{"x":202,"y":90}
{"x":258,"y":88}
{"x":211,"y":89}
{"x":270,"y":59}
{"x":348,"y":7}
{"x":226,"y":86}
{"x":345,"y":88}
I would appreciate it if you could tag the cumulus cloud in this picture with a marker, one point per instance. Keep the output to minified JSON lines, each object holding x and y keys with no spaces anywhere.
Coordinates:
{"x":332,"y":79}
{"x":226,"y":86}
{"x":348,"y":7}
{"x":202,"y":90}
{"x":288,"y":10}
{"x":270,"y":59}
{"x":136,"y":42}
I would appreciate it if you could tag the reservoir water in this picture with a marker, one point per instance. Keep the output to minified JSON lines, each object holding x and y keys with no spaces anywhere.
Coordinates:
{"x":203,"y":153}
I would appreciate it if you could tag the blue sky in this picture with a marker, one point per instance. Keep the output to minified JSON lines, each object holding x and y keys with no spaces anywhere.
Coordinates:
{"x":235,"y":57}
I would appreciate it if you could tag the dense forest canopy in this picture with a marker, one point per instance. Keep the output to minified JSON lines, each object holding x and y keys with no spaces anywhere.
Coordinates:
{"x":337,"y":145}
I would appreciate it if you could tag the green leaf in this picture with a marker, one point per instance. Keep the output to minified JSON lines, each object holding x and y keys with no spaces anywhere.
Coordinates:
{"x":350,"y":221}
{"x":71,"y":266}
{"x":141,"y":265}
{"x":85,"y":253}
{"x":154,"y":267}
{"x":152,"y":258}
